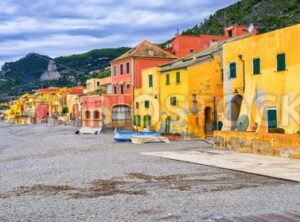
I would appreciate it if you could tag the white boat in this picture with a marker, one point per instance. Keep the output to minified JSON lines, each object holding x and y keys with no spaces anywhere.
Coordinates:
{"x":149,"y":139}
{"x":90,"y":130}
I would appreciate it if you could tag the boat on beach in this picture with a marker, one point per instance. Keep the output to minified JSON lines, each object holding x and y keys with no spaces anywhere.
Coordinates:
{"x":124,"y":136}
{"x":149,"y":139}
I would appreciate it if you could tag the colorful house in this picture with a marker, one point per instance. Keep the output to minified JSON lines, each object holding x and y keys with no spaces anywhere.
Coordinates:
{"x":184,"y":96}
{"x":91,"y":105}
{"x":127,"y":76}
{"x":49,"y":103}
{"x":183,"y":45}
{"x":73,"y":102}
{"x":147,"y":107}
{"x":190,"y":92}
{"x":261,"y":89}
{"x":260,"y":79}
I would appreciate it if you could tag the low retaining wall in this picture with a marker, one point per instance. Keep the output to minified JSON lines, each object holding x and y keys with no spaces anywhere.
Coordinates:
{"x":284,"y":145}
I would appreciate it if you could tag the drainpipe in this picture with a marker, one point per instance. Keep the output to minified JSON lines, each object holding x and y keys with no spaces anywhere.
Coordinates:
{"x":132,"y":89}
{"x":215,"y":113}
{"x":244,"y":80}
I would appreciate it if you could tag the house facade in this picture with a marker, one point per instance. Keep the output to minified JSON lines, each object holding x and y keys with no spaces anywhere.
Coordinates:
{"x":260,"y":82}
{"x":127,"y":77}
{"x":147,"y":104}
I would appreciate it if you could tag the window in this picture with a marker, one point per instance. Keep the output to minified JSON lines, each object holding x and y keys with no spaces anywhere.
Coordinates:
{"x":173,"y":101}
{"x":229,"y":34}
{"x":177,"y":77}
{"x":147,"y":104}
{"x":281,"y":62}
{"x":115,"y":90}
{"x":122,"y":89}
{"x":232,"y":70}
{"x":150,"y":81}
{"x":115,"y":70}
{"x":256,"y":66}
{"x":128,"y":85}
{"x":98,"y":84}
{"x":136,"y":105}
{"x":168,"y":79}
{"x":128,"y":67}
{"x":121,"y":69}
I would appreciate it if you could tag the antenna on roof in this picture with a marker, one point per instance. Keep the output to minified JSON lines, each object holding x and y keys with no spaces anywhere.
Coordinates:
{"x":177,"y":33}
{"x":251,"y":28}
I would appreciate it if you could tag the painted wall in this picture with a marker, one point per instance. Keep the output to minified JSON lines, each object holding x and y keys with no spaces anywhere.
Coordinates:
{"x":144,"y":63}
{"x":183,"y":45}
{"x":91,"y":105}
{"x":151,"y":94}
{"x":283,"y":145}
{"x":92,"y":85}
{"x":271,"y":89}
{"x":205,"y":96}
{"x":178,"y":113}
{"x":124,"y":79}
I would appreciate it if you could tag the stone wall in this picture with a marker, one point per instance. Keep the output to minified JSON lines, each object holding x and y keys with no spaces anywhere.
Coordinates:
{"x":284,"y":145}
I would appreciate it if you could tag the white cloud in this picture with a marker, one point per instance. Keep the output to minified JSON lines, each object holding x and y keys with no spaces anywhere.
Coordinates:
{"x":62,"y":27}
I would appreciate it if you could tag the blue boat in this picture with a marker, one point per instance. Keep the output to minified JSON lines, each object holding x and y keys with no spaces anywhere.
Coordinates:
{"x":124,"y":136}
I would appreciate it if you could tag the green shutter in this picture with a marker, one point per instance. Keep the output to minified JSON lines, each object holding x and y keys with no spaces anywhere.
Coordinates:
{"x":281,"y":62}
{"x":232,"y":68}
{"x":150,"y":80}
{"x":272,"y":118}
{"x":256,"y":66}
{"x":138,"y":120}
{"x":147,"y":104}
{"x":177,"y":77}
{"x":173,"y":101}
{"x":147,"y":121}
{"x":168,"y":79}
{"x":134,"y":120}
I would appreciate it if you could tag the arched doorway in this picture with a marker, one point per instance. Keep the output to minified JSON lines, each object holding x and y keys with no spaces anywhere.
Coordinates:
{"x":121,"y":115}
{"x":96,"y":118}
{"x":87,"y":118}
{"x":236,"y":104}
{"x":208,"y":124}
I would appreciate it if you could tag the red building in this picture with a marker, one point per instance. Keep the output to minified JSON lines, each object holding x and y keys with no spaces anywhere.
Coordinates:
{"x":126,"y":75}
{"x":237,"y":30}
{"x":183,"y":45}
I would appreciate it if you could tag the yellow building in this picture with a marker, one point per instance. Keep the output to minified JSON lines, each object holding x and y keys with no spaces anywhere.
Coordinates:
{"x":146,"y":101}
{"x":205,"y":92}
{"x":173,"y":97}
{"x":20,"y":111}
{"x":261,"y":82}
{"x":93,"y":85}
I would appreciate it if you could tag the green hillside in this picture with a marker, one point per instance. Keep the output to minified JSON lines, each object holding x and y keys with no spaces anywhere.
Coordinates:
{"x":266,"y":15}
{"x":24,"y":75}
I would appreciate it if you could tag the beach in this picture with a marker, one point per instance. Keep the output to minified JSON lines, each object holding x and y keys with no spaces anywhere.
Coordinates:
{"x":51,"y":174}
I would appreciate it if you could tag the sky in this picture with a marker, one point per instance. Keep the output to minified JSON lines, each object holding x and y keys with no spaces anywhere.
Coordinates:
{"x":65,"y":27}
